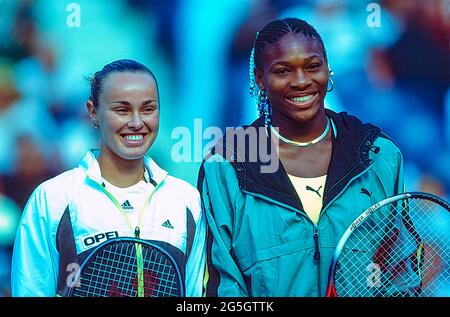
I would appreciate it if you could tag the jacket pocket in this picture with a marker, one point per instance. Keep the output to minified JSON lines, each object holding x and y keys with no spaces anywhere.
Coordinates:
{"x":277,"y":270}
{"x":262,"y":276}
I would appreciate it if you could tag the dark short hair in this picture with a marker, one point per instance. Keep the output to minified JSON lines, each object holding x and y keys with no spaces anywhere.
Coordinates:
{"x":273,"y":31}
{"x":119,"y":66}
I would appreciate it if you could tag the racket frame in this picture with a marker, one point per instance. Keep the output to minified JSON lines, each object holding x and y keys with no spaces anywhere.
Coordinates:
{"x":138,"y":247}
{"x":331,"y":291}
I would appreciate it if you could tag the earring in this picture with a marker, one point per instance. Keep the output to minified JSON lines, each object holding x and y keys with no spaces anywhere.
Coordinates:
{"x":329,"y":78}
{"x":330,"y":71}
{"x":264,"y":108}
{"x":332,"y":84}
{"x":96,"y":126}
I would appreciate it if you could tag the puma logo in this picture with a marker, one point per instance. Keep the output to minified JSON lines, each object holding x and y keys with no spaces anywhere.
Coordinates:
{"x":366,"y":192}
{"x":313,"y":190}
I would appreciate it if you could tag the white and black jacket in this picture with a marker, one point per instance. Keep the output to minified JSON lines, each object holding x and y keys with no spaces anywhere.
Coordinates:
{"x":68,"y":215}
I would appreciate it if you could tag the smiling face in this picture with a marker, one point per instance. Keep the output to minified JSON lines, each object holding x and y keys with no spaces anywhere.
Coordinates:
{"x":295,"y":75}
{"x":127,"y":114}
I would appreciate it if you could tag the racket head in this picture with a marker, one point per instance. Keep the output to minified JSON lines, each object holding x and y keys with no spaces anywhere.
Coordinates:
{"x":397,"y":247}
{"x":127,"y":267}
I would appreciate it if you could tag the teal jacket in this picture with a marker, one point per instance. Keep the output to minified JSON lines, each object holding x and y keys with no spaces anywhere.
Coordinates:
{"x":260,"y":240}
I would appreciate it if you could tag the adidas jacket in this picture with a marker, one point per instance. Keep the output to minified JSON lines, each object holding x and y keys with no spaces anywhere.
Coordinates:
{"x":261,"y":241}
{"x":68,"y":215}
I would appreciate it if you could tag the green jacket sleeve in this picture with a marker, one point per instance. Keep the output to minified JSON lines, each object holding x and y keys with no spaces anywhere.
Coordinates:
{"x":219,"y":189}
{"x":389,"y":167}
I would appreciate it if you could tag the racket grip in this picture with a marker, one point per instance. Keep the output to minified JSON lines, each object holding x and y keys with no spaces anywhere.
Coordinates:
{"x":331,"y":291}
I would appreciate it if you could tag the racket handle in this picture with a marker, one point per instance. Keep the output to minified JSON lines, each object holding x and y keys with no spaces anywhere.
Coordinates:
{"x":331,"y":291}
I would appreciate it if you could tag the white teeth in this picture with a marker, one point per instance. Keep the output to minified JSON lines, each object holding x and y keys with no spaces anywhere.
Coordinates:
{"x":134,"y":137}
{"x":303,"y":98}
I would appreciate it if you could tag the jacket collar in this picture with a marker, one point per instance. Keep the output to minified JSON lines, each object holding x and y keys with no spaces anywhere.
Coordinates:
{"x":154,"y":174}
{"x":352,"y":141}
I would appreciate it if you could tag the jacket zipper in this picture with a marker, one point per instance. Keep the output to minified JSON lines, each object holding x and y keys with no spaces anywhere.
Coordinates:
{"x":136,"y":232}
{"x":140,"y":272}
{"x":317,"y":257}
{"x":316,"y":231}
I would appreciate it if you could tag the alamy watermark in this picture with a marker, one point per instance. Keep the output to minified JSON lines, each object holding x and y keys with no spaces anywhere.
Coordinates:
{"x":374,"y":278}
{"x":373,"y":20}
{"x":236,"y":144}
{"x":73,"y":278}
{"x":73,"y":19}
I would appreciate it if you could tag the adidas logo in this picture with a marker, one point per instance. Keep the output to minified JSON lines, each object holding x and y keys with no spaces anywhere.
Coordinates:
{"x":167,"y":224}
{"x":127,"y":206}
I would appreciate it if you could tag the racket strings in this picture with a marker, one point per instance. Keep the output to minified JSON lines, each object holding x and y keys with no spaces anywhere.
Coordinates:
{"x":434,"y":256}
{"x":167,"y":275}
{"x":398,"y":251}
{"x":118,"y":271}
{"x":110,"y":272}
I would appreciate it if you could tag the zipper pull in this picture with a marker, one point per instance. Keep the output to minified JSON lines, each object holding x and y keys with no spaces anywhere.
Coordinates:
{"x":316,"y":244}
{"x":137,"y":232}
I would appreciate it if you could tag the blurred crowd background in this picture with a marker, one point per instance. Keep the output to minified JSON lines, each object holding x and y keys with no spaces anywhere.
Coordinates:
{"x":394,"y":74}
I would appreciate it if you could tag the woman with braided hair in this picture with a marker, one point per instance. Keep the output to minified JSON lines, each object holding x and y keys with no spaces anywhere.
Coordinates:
{"x":273,"y":233}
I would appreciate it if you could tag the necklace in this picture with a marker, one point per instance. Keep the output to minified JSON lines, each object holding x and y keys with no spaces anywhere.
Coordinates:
{"x":303,"y":144}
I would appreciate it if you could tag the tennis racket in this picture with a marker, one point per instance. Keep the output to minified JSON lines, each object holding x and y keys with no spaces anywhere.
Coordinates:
{"x":127,"y":267}
{"x":398,"y":247}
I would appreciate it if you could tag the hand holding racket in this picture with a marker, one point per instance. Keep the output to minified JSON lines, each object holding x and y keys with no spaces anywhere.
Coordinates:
{"x":127,"y":267}
{"x":398,"y":247}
